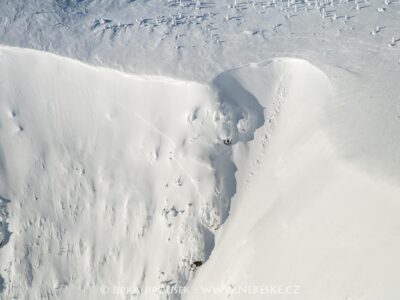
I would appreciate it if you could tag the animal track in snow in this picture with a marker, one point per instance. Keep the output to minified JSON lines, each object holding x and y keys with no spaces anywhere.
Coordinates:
{"x":271,"y":118}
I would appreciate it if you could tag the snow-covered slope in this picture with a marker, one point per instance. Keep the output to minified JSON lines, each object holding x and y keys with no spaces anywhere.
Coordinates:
{"x":261,"y":138}
{"x":113,"y":179}
{"x":201,"y":39}
{"x":306,"y":222}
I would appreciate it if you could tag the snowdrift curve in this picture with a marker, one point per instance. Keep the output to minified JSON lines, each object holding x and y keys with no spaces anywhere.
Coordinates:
{"x":306,"y":222}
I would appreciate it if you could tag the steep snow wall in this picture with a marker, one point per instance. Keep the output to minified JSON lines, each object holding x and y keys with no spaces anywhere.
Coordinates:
{"x":114,"y":180}
{"x":312,"y":218}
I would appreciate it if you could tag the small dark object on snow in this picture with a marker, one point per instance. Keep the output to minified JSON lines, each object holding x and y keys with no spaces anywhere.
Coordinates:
{"x":196,"y":264}
{"x":227,"y":141}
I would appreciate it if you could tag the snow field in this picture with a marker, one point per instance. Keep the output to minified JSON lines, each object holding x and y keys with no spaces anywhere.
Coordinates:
{"x":115,"y":179}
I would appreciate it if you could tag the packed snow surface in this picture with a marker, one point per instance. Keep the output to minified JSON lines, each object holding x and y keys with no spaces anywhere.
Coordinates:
{"x":305,"y":218}
{"x":199,"y":150}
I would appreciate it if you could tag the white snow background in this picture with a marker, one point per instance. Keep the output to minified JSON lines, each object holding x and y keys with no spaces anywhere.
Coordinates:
{"x":261,"y":138}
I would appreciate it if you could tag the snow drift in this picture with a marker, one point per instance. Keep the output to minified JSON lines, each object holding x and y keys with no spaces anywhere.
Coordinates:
{"x":112,"y":184}
{"x":307,"y":221}
{"x":114,"y":179}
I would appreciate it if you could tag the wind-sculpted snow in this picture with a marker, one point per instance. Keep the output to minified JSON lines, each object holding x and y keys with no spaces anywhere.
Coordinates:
{"x":115,"y":179}
{"x":201,"y":39}
{"x":4,"y":232}
{"x":307,"y":221}
{"x":121,"y":185}
{"x":283,"y":173}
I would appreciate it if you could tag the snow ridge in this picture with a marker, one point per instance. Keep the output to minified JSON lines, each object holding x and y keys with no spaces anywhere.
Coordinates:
{"x":114,"y":163}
